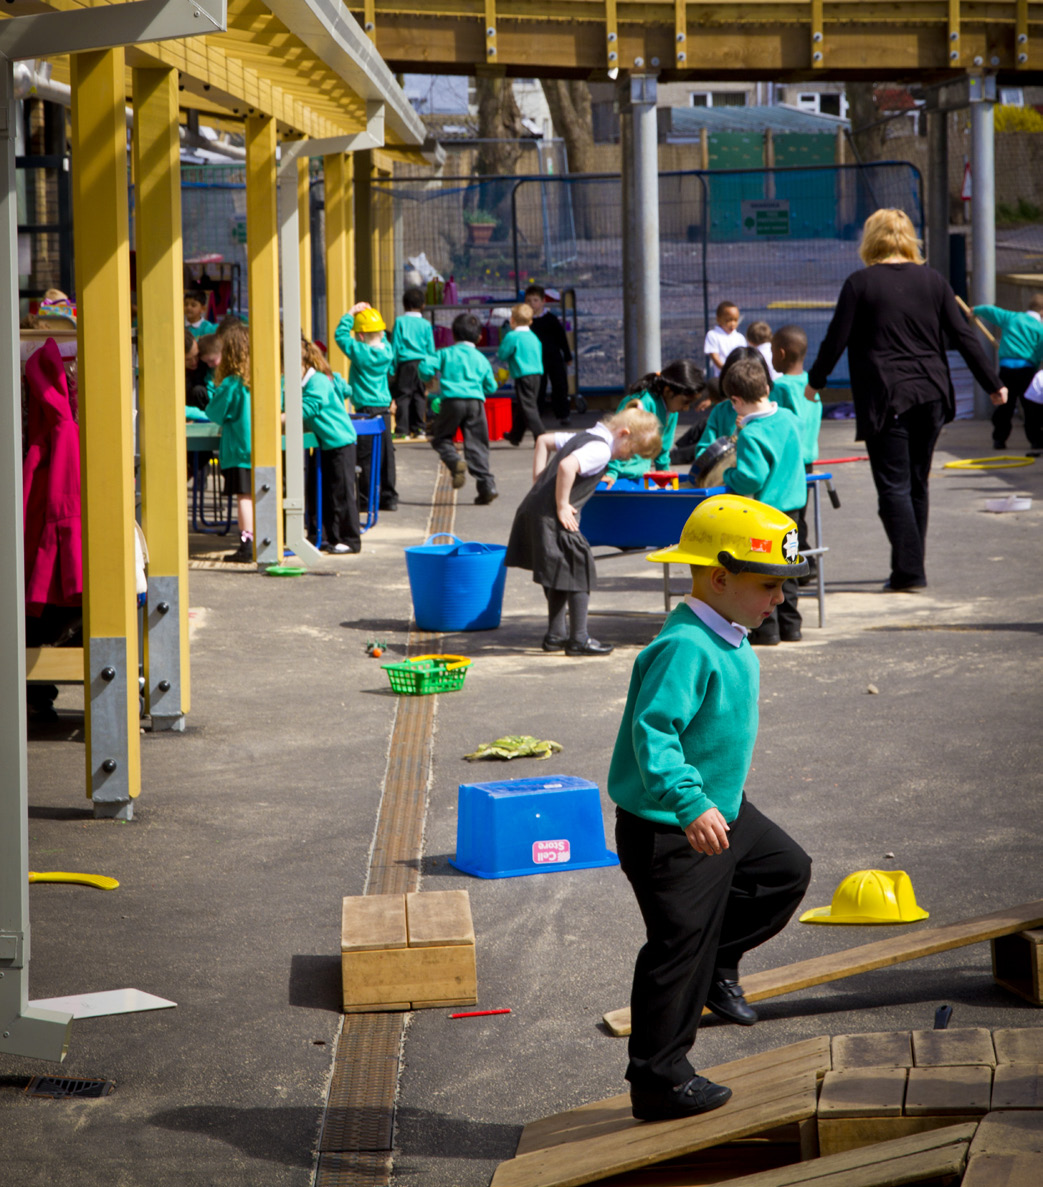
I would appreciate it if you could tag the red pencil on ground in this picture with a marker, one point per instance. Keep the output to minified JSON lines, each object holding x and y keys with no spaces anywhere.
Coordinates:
{"x":478,"y":1013}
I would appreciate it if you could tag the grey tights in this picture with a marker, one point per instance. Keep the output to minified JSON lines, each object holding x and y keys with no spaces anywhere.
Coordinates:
{"x":576,"y":602}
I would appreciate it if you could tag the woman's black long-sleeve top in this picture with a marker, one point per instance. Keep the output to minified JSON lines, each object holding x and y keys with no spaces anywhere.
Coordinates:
{"x":897,"y":321}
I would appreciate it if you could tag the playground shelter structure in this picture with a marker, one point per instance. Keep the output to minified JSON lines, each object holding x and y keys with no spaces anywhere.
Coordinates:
{"x":307,"y":77}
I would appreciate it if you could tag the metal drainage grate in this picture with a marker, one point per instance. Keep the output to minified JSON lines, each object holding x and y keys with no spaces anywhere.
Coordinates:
{"x":58,"y":1086}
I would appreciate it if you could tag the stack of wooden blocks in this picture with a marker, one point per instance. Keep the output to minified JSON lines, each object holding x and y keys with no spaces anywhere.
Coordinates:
{"x":407,"y":951}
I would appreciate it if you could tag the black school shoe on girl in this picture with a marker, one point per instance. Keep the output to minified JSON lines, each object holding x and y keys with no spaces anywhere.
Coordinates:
{"x":587,"y":646}
{"x":697,"y":1095}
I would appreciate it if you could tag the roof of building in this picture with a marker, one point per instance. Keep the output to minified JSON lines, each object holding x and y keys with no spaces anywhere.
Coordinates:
{"x":685,"y":123}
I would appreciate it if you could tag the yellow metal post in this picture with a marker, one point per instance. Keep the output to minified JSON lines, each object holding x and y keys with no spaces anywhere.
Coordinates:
{"x":161,"y":393}
{"x":384,"y":248}
{"x":365,"y":237}
{"x":102,"y":259}
{"x":262,"y":261}
{"x":340,"y":262}
{"x":304,"y":242}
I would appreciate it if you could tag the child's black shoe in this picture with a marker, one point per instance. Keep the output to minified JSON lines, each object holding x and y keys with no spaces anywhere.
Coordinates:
{"x":698,"y":1095}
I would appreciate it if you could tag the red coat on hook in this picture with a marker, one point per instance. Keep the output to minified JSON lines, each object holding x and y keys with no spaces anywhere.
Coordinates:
{"x":51,"y":487}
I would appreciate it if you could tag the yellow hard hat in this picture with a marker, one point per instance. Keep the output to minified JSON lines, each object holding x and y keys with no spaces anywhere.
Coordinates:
{"x":870,"y":896}
{"x":368,"y":321}
{"x":741,"y":535}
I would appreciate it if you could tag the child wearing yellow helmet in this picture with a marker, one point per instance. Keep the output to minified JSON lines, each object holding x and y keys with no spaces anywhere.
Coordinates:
{"x":713,"y":876}
{"x":360,"y":335}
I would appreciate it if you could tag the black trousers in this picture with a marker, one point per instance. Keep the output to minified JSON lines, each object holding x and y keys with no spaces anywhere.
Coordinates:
{"x":410,"y":398}
{"x":1016,"y":381}
{"x":554,"y":392}
{"x":900,"y":458}
{"x":388,"y":493}
{"x":525,"y":413}
{"x":340,"y":509}
{"x":469,"y":417}
{"x":702,"y":914}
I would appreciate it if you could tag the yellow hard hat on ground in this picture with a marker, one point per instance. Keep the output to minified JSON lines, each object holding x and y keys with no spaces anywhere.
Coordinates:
{"x":741,"y":535}
{"x":870,"y":896}
{"x":368,"y":321}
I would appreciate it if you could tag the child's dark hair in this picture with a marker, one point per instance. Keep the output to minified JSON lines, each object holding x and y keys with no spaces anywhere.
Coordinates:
{"x":190,"y":341}
{"x":226,"y":323}
{"x":466,"y":328}
{"x":196,"y":295}
{"x":746,"y":381}
{"x":793,"y":341}
{"x":413,"y":299}
{"x":724,"y":307}
{"x":757,"y":333}
{"x":737,"y":355}
{"x":536,"y":290}
{"x":682,"y":375}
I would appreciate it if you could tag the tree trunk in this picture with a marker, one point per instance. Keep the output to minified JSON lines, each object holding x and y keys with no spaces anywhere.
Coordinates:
{"x":501,"y":130}
{"x":570,"y":110}
{"x":863,"y":111}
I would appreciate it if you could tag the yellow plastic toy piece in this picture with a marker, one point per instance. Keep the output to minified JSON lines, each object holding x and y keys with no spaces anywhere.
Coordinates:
{"x":988,"y":463}
{"x":98,"y":880}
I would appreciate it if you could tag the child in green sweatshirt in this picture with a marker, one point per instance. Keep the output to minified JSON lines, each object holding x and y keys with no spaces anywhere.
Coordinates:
{"x":789,"y":348}
{"x":1020,"y":356}
{"x":769,"y":467}
{"x":412,"y":340}
{"x":713,"y":877}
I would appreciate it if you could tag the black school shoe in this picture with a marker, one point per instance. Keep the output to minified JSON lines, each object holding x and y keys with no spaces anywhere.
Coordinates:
{"x":587,"y":647}
{"x":698,"y":1095}
{"x":765,"y":636}
{"x":553,"y":643}
{"x":485,"y":497}
{"x":243,"y":555}
{"x":727,"y":1000}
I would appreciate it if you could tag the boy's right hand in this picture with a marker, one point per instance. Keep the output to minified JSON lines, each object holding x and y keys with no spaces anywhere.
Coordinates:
{"x":708,"y":833}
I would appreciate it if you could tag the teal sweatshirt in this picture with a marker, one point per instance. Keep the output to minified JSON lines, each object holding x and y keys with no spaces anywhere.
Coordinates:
{"x":204,"y":327}
{"x":230,"y":408}
{"x":370,"y":364}
{"x":788,"y":392}
{"x":341,"y":386}
{"x":522,"y":351}
{"x":634,"y":467}
{"x":768,"y":462}
{"x":689,"y":726}
{"x":325,"y":414}
{"x":1021,"y":335}
{"x":412,"y":338}
{"x":720,"y":423}
{"x":464,"y":372}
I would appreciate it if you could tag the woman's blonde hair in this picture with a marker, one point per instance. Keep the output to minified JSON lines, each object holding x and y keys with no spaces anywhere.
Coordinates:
{"x":235,"y":354}
{"x":889,"y":233}
{"x":645,"y":433}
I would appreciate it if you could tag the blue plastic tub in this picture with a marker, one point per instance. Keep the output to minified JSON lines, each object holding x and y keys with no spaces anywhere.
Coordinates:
{"x":458,"y":586}
{"x":530,"y":826}
{"x":627,"y":516}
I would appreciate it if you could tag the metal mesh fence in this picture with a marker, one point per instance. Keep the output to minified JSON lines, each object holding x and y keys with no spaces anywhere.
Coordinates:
{"x":777,"y":242}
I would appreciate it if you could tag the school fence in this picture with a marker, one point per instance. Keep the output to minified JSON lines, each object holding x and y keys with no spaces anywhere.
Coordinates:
{"x":777,"y":242}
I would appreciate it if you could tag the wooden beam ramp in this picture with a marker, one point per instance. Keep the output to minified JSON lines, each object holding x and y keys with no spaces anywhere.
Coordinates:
{"x":849,"y":963}
{"x":584,"y":1145}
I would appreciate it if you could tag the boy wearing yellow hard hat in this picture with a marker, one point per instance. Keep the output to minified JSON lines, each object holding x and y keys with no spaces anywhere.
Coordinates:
{"x":713,"y":877}
{"x":360,"y":334}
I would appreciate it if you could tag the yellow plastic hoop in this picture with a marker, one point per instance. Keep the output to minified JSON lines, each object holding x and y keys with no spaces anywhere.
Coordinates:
{"x":989,"y":463}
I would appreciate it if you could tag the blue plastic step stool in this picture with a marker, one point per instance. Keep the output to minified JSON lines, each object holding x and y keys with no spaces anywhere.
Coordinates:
{"x":530,"y":826}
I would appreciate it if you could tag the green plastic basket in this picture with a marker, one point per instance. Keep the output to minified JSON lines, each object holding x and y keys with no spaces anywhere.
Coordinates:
{"x":427,"y":673}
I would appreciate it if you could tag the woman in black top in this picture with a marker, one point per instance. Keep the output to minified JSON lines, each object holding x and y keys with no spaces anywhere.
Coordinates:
{"x":897,"y":318}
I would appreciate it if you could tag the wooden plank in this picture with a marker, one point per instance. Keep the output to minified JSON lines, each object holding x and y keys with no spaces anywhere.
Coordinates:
{"x":1003,"y":1170}
{"x":439,"y":917}
{"x":839,"y":1134}
{"x":1018,"y":1086}
{"x":965,"y":1045}
{"x":369,"y":922}
{"x":56,"y":665}
{"x":863,"y":1092}
{"x":910,"y":945}
{"x":892,"y":1048}
{"x":643,"y":1143}
{"x":948,"y":1091}
{"x":605,"y":1116}
{"x":1019,"y":1045}
{"x":1009,"y":1132}
{"x":901,"y":1160}
{"x":440,"y":976}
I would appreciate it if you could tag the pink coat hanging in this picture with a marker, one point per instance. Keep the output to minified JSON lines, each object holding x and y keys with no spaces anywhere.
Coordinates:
{"x":51,"y":487}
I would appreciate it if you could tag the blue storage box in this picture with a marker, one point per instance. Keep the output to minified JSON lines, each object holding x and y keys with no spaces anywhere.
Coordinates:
{"x":638,"y":518}
{"x":530,"y":826}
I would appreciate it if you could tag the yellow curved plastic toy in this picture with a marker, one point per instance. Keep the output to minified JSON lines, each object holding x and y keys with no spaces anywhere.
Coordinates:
{"x":870,"y":896}
{"x":98,"y":880}
{"x":988,"y":463}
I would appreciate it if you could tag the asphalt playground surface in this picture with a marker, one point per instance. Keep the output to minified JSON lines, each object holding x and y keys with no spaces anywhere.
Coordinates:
{"x":254,"y":823}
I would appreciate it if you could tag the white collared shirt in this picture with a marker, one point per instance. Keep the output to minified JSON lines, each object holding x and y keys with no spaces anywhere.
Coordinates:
{"x":730,"y":632}
{"x":769,"y":411}
{"x":594,"y":455}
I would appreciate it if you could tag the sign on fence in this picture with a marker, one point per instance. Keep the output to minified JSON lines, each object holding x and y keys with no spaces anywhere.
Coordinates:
{"x":766,"y":218}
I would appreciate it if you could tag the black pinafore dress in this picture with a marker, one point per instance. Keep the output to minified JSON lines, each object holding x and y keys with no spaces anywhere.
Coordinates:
{"x":558,"y":558}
